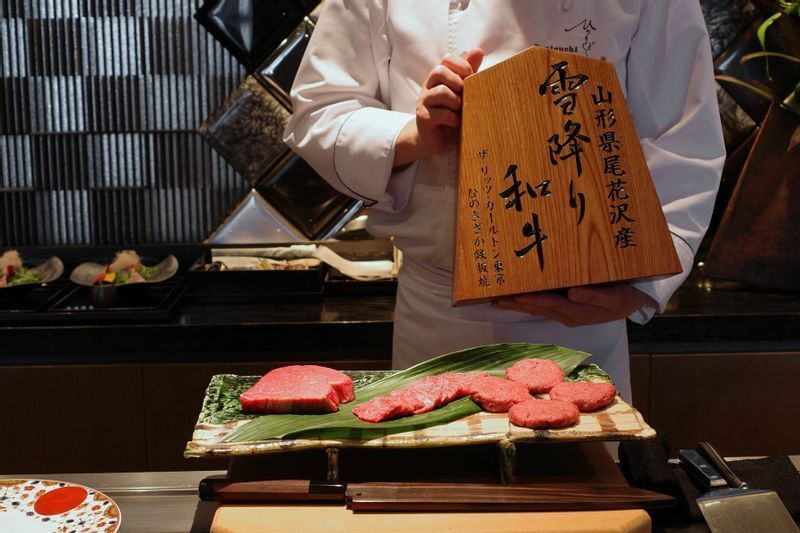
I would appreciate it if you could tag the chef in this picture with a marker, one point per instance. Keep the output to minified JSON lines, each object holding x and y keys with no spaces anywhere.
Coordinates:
{"x":376,"y":113}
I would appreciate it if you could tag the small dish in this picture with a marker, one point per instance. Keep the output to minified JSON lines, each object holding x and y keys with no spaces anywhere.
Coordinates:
{"x":46,"y":505}
{"x":49,"y":270}
{"x":85,"y":273}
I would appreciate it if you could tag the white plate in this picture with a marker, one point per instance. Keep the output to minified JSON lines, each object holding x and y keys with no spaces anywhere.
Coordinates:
{"x":33,"y":505}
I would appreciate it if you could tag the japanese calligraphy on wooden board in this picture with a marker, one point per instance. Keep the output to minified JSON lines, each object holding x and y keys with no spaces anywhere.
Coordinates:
{"x":554,"y":190}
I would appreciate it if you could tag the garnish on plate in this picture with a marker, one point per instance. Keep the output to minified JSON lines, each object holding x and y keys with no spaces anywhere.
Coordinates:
{"x":126,"y":268}
{"x":12,"y":271}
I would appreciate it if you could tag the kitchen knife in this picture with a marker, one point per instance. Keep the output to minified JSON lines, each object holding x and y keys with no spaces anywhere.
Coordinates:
{"x":285,"y":490}
{"x":437,"y":496}
{"x":734,"y":510}
{"x":478,"y":497}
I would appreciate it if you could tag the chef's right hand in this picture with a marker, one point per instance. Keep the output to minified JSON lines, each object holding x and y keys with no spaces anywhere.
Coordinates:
{"x":438,"y":115}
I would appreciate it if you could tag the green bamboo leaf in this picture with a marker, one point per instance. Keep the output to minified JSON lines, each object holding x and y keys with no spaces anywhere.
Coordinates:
{"x":759,"y":90}
{"x":343,"y":424}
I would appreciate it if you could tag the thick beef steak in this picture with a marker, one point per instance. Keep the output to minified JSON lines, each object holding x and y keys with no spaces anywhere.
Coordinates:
{"x":298,"y":389}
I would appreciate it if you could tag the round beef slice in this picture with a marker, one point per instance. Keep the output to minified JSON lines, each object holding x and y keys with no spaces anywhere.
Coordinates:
{"x":543,"y":414}
{"x":587,"y":395}
{"x":497,"y":395}
{"x":539,"y":375}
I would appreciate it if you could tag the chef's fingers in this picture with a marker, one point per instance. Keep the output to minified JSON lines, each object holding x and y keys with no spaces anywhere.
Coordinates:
{"x":577,"y":314}
{"x":438,"y":116}
{"x":457,"y":64}
{"x":606,"y":297}
{"x":441,"y":75}
{"x":513,"y":305}
{"x":441,"y":96}
{"x":474,"y":57}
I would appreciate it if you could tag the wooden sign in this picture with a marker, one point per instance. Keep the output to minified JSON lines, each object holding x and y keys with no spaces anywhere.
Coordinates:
{"x":554,"y":190}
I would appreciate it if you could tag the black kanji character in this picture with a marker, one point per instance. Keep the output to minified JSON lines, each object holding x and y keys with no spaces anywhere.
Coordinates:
{"x":624,"y":238}
{"x":602,"y":96}
{"x":609,"y":141}
{"x":577,"y":202}
{"x":574,"y":136}
{"x":612,"y":165}
{"x":543,"y":190}
{"x":616,"y":190}
{"x":563,"y":83}
{"x":535,"y":232}
{"x":605,"y":118}
{"x":617,"y":213}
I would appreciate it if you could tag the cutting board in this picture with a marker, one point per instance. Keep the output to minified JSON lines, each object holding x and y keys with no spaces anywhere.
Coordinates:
{"x":252,"y":519}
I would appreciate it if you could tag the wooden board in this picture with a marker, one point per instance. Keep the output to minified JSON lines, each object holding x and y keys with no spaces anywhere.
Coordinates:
{"x":262,"y":518}
{"x":554,"y":190}
{"x":618,"y":421}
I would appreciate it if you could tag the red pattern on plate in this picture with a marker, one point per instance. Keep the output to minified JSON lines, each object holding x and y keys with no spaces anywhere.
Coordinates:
{"x":60,"y":500}
{"x":57,"y":505}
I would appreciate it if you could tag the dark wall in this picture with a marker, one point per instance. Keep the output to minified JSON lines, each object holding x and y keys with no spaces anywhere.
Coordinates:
{"x":99,"y":102}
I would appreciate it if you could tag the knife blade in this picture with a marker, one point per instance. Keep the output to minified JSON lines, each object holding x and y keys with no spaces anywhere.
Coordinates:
{"x":479,"y":497}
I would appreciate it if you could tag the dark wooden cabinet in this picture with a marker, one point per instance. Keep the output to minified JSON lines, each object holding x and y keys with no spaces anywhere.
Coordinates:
{"x":79,"y":418}
{"x":744,"y":403}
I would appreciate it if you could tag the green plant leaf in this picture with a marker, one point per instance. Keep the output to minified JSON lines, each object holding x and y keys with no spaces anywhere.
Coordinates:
{"x":795,"y":140}
{"x":762,"y":35}
{"x":792,"y":102}
{"x":760,"y":90}
{"x":343,"y":424}
{"x":762,"y":30}
{"x":757,"y":55}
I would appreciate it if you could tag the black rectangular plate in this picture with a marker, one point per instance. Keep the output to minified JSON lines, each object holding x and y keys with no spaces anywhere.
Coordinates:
{"x":155,"y":302}
{"x":253,"y":286}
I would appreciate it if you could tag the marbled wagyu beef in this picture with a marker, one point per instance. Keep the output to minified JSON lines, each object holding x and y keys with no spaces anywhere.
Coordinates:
{"x":420,"y":396}
{"x":298,"y":389}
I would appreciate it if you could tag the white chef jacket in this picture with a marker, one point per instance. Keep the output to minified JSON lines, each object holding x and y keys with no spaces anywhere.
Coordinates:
{"x":357,"y":88}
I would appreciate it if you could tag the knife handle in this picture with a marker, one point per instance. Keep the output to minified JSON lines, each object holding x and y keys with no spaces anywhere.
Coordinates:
{"x":722,"y":467}
{"x":287,"y":490}
{"x":700,"y":470}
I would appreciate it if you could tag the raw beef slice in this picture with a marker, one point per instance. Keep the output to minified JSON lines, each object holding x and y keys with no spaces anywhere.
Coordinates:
{"x":497,"y":395}
{"x":543,"y":414}
{"x":298,"y":389}
{"x":539,"y":375}
{"x":586,"y":395}
{"x":428,"y":393}
{"x":420,"y":396}
{"x":382,"y":408}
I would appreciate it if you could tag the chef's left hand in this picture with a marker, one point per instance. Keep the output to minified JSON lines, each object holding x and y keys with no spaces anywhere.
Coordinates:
{"x":580,"y":306}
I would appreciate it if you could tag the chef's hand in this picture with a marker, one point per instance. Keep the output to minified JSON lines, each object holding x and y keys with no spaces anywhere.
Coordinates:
{"x":580,"y":306}
{"x":438,"y":109}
